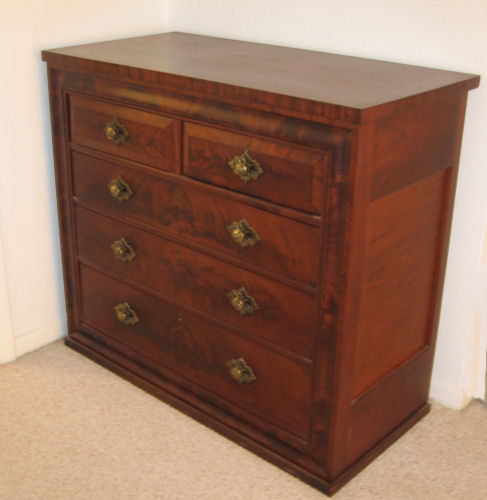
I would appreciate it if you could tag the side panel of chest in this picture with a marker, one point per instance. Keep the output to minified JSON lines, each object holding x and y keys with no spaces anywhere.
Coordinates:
{"x":398,"y":248}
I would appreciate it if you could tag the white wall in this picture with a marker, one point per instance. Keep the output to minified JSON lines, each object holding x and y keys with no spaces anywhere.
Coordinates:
{"x":7,"y":348}
{"x":31,"y":294}
{"x":447,"y":34}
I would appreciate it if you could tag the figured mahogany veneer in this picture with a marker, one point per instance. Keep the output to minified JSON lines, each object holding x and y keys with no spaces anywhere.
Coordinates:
{"x":152,"y":139}
{"x":290,"y":176}
{"x":199,"y":350}
{"x":184,"y":210}
{"x":286,"y":317}
{"x":258,"y":235}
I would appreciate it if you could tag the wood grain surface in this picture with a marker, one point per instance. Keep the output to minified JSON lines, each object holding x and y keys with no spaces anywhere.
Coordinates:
{"x":353,"y":212}
{"x":152,"y":139}
{"x":285,"y":317}
{"x":199,"y":351}
{"x":291,"y":176}
{"x":287,"y":247}
{"x":344,"y":84}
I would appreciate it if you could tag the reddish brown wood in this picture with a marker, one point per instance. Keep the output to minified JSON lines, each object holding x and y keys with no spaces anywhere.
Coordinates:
{"x":377,"y":449}
{"x":291,"y":176}
{"x":285,"y":317}
{"x":205,"y":111}
{"x":200,"y":351}
{"x":342,"y":296}
{"x":185,"y":210}
{"x":353,"y":210}
{"x":431,"y":129}
{"x":399,"y":269}
{"x":443,"y":240}
{"x":268,"y":447}
{"x":337,"y":87}
{"x":153,"y":139}
{"x":333,"y":258}
{"x":64,"y":196}
{"x":377,"y":412}
{"x":239,"y":425}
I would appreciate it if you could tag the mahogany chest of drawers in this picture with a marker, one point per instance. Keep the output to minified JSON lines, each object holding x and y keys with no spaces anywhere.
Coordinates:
{"x":258,"y":235}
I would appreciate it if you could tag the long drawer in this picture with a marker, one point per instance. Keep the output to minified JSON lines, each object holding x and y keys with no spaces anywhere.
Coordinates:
{"x":280,"y":314}
{"x":227,"y":365}
{"x":284,"y":246}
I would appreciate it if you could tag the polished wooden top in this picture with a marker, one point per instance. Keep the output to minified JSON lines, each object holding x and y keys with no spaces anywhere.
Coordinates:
{"x":345,"y":81}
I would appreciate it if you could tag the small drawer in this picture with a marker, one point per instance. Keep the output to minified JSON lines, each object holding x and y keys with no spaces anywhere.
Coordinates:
{"x":126,"y":132}
{"x":282,"y":173}
{"x":247,"y":375}
{"x":187,"y":210}
{"x":267,"y":309}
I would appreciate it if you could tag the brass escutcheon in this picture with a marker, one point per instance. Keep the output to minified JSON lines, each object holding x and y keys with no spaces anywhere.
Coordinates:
{"x":241,"y":371}
{"x":242,"y":233}
{"x":245,"y":166}
{"x":116,"y":132}
{"x":125,"y":314}
{"x":120,"y":189}
{"x":242,"y":302}
{"x":122,"y":250}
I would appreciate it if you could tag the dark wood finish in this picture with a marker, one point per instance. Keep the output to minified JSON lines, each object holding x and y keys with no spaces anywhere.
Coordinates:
{"x":344,"y":249}
{"x":187,"y":211}
{"x":189,"y":391}
{"x":266,"y":446}
{"x":396,"y":164}
{"x":398,"y":273}
{"x":337,"y":87}
{"x":285,"y":317}
{"x":291,"y":177}
{"x":199,"y":351}
{"x":204,"y":111}
{"x":153,"y":139}
{"x":375,"y":413}
{"x":353,"y":210}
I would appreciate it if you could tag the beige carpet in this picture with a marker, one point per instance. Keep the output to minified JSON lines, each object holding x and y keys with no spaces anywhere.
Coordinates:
{"x":69,"y":429}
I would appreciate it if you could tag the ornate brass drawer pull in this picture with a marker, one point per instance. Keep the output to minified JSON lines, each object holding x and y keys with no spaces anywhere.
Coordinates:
{"x":120,"y":189}
{"x":116,"y":132}
{"x":125,"y":314}
{"x":242,"y":233}
{"x":245,"y":166}
{"x":242,"y":302}
{"x":122,"y":250}
{"x":241,"y":371}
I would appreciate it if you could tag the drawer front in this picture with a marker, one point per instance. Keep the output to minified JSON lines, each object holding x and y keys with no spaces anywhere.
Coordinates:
{"x":286,"y":247}
{"x":285,"y":316}
{"x":199,"y":351}
{"x":136,"y":135}
{"x":285,"y":174}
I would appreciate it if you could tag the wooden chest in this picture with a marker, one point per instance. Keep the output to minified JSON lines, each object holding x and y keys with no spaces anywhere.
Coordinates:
{"x":258,"y":235}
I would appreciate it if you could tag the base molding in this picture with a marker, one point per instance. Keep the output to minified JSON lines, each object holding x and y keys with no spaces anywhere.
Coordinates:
{"x":448,"y":395}
{"x":40,"y":337}
{"x":115,"y":363}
